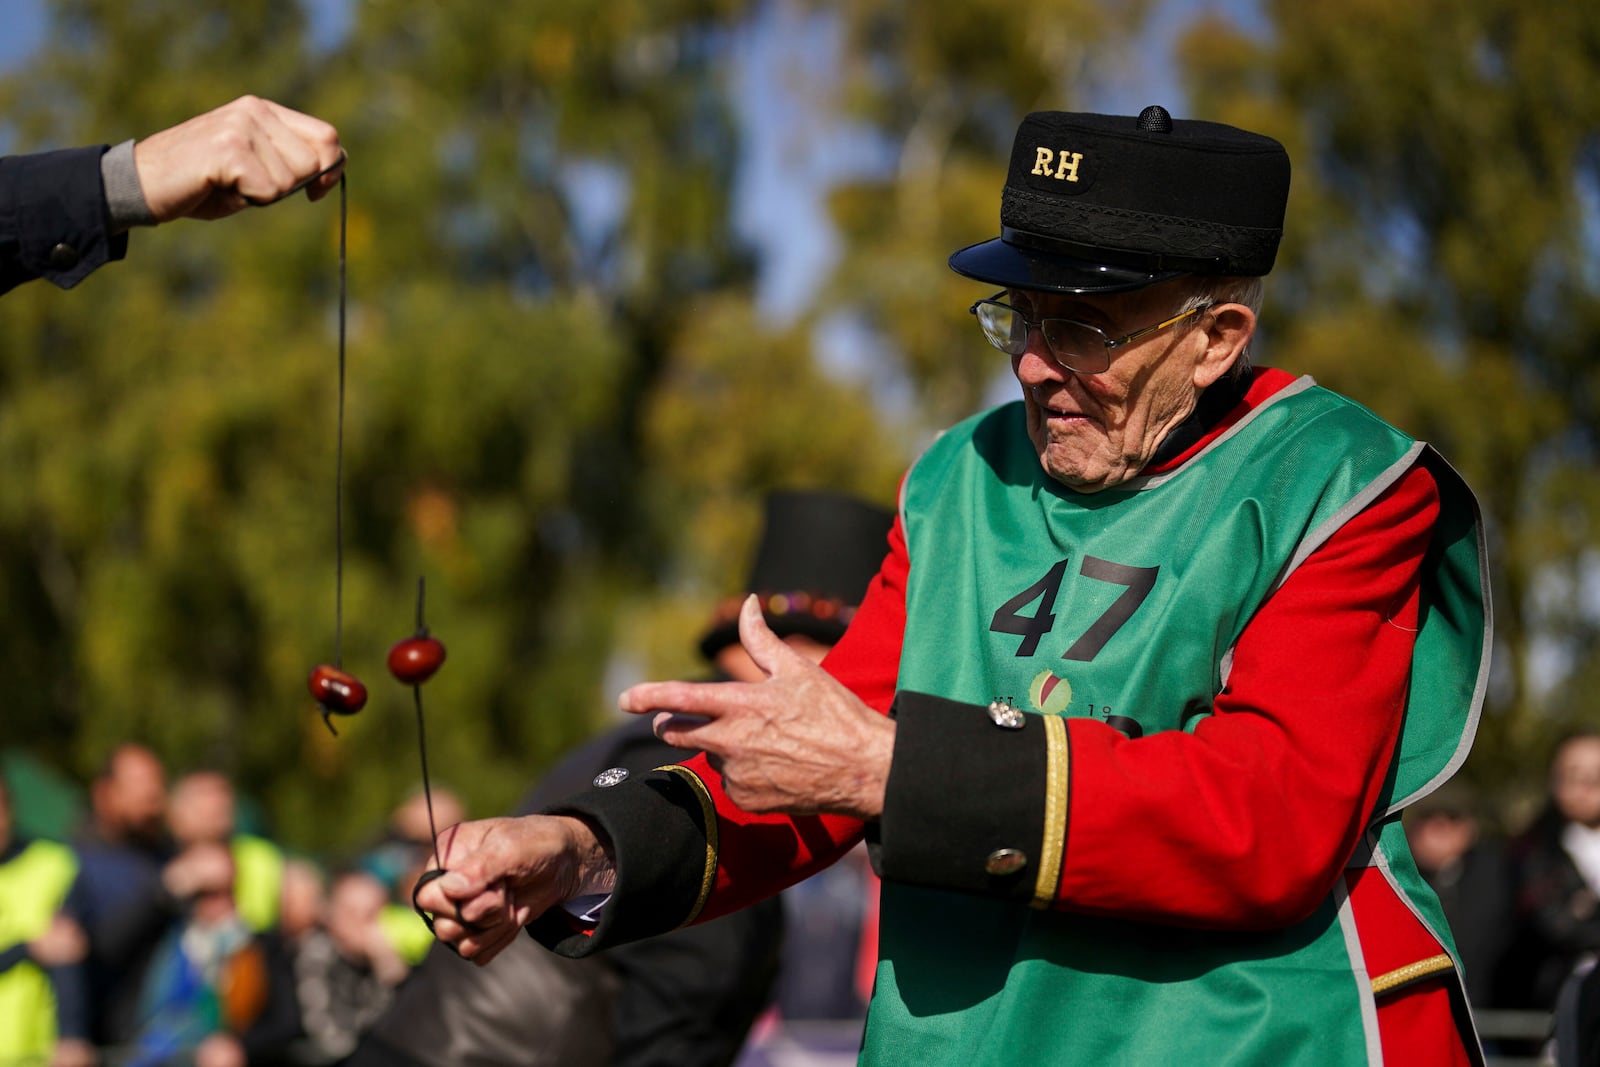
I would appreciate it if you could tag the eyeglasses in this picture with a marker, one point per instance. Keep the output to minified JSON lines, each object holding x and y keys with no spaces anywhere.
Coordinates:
{"x":1077,"y":346}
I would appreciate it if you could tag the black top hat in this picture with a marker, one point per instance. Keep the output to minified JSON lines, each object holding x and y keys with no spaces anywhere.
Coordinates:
{"x":818,"y":552}
{"x":1104,"y":203}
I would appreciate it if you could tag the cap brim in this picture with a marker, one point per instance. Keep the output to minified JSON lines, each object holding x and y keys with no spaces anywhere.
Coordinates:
{"x":1000,"y":263}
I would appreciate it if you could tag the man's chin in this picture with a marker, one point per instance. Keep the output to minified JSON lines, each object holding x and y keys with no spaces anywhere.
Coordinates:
{"x":1082,"y":479}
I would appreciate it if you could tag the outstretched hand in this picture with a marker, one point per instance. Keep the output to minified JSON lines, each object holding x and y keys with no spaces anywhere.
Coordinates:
{"x":250,"y":151}
{"x":504,"y":873}
{"x":797,"y":742}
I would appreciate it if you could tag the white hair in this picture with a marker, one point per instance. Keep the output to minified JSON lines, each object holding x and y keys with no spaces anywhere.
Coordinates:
{"x":1208,"y":289}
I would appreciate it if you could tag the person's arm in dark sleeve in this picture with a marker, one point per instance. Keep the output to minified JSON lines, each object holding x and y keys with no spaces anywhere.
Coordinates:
{"x":1552,"y":896}
{"x":71,"y":985}
{"x":54,"y":222}
{"x":684,"y":852}
{"x":139,"y":920}
{"x":71,"y":982}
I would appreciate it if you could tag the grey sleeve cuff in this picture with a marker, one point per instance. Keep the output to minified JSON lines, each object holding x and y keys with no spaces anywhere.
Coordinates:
{"x":125,"y":203}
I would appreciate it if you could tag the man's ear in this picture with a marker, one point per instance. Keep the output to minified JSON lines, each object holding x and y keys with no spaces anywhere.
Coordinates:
{"x":1228,"y":328}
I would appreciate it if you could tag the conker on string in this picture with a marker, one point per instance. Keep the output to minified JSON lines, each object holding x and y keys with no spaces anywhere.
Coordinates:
{"x":336,"y":691}
{"x":415,"y":659}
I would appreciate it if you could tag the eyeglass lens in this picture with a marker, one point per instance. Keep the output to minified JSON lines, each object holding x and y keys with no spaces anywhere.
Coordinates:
{"x":1074,"y":343}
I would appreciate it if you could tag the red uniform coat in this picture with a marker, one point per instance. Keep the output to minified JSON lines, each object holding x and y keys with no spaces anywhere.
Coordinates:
{"x":1294,"y":757}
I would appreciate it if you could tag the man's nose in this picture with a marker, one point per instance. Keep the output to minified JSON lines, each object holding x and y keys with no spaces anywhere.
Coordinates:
{"x":1037,"y":364}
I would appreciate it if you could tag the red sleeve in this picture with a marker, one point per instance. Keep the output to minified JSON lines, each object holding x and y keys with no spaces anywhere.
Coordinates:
{"x":759,"y":854}
{"x":1248,"y":821}
{"x":867,"y":658}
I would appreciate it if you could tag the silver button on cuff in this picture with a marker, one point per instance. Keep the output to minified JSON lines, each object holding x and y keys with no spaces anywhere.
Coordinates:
{"x":608,"y":778}
{"x":1004,"y":861}
{"x":1005,"y":716}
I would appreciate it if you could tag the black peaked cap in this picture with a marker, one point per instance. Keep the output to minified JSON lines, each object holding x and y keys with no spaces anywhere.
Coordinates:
{"x":1105,"y":203}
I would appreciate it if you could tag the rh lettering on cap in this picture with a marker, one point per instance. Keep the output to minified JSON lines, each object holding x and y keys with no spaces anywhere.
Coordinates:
{"x":1065,"y":164}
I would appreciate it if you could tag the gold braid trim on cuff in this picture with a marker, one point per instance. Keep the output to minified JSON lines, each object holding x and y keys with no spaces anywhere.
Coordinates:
{"x":709,"y":811}
{"x":1383,"y":983}
{"x":1057,"y":776}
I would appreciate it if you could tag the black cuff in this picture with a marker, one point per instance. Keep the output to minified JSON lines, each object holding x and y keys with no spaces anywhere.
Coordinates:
{"x":656,"y":825}
{"x":968,"y":803}
{"x":57,"y":212}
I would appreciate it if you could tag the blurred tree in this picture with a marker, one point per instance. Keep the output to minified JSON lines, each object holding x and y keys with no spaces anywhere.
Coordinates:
{"x":1442,"y":264}
{"x":944,"y":83}
{"x":537,"y":195}
{"x":564,"y":402}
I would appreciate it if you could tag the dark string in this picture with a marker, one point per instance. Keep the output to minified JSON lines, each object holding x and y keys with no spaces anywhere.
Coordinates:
{"x":422,"y":749}
{"x":422,"y":743}
{"x":338,"y":538}
{"x":338,"y":463}
{"x":338,"y":469}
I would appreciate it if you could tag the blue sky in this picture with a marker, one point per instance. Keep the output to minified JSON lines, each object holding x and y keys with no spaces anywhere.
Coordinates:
{"x":21,"y":26}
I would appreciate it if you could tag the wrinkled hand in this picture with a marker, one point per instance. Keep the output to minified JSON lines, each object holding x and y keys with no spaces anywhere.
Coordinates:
{"x":504,"y":873}
{"x":63,"y":942}
{"x":798,"y":742}
{"x":207,"y":167}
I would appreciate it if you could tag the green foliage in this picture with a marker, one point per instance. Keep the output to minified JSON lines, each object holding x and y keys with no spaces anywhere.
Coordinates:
{"x":744,"y":408}
{"x":1439,"y":264}
{"x":167,"y":538}
{"x":563,"y":404}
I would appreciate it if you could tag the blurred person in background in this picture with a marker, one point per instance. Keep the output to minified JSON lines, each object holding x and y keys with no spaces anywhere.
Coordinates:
{"x":304,"y":900}
{"x":121,"y":897}
{"x":211,"y":994}
{"x":1468,"y":869}
{"x":302,"y":915}
{"x":407,"y":839}
{"x":688,"y":997}
{"x":65,"y":213}
{"x":201,"y":809}
{"x":346,"y":972}
{"x":1556,"y":867}
{"x":39,"y":948}
{"x":398,"y":858}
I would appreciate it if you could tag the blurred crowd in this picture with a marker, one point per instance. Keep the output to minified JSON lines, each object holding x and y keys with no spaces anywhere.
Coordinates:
{"x":160,"y":932}
{"x":169,"y":930}
{"x":1524,"y":907}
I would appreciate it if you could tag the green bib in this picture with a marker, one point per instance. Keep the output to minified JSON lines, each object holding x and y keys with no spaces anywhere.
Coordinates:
{"x":32,"y":888}
{"x":1124,"y":605}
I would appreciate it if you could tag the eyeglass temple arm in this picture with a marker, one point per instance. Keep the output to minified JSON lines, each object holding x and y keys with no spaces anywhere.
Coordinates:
{"x":1135,"y":335}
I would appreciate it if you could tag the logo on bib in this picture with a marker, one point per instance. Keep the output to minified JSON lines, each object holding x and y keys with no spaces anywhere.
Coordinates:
{"x":1049,"y":693}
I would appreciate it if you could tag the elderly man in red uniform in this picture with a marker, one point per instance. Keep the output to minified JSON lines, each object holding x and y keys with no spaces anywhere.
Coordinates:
{"x":1157,"y":656}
